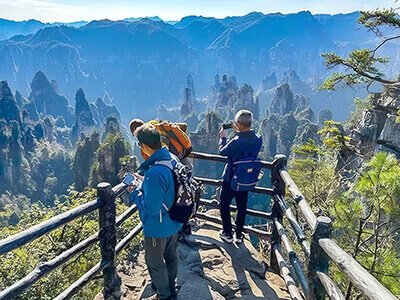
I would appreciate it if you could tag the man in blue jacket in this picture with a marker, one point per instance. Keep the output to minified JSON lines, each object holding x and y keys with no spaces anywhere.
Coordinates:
{"x":156,"y":194}
{"x":245,"y":144}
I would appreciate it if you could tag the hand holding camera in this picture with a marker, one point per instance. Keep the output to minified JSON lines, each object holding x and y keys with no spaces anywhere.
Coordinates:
{"x":227,"y":125}
{"x":222,"y":132}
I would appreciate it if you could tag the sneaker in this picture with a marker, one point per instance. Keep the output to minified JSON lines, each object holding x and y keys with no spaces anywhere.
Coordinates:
{"x":238,"y":239}
{"x":226,"y":237}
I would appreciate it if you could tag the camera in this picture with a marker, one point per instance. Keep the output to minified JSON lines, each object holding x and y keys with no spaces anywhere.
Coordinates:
{"x":227,"y":125}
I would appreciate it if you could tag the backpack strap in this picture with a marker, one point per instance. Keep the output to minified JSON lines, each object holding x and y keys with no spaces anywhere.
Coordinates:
{"x":169,"y":165}
{"x":166,"y":163}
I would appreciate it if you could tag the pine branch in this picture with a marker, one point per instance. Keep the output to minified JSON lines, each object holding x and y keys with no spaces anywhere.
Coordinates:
{"x":373,"y":52}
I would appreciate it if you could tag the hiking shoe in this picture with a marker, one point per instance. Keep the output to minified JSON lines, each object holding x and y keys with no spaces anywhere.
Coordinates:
{"x":226,"y":237}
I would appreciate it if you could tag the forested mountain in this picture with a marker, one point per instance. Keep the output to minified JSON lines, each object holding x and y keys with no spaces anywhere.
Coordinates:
{"x":143,"y":62}
{"x":37,"y":139}
{"x":66,"y":90}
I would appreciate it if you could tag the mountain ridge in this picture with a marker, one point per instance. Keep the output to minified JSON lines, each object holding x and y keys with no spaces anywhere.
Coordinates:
{"x":145,"y":62}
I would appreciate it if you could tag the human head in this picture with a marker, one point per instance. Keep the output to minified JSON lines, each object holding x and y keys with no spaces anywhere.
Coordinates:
{"x":243,"y":120}
{"x":134,"y":124}
{"x":149,"y":139}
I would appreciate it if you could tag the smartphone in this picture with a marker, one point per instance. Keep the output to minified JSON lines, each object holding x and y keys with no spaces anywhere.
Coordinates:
{"x":129,"y":179}
{"x":227,"y":125}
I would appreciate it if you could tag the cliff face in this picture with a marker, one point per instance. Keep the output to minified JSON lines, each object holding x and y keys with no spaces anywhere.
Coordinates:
{"x":106,"y":110}
{"x":232,"y":98}
{"x":35,"y":140}
{"x":376,"y":130}
{"x":187,"y":105}
{"x":11,"y":151}
{"x":187,"y":111}
{"x":289,"y":120}
{"x":227,"y":90}
{"x":47,"y":100}
{"x":84,"y":121}
{"x":205,"y":139}
{"x":378,"y":126}
{"x":9,"y":109}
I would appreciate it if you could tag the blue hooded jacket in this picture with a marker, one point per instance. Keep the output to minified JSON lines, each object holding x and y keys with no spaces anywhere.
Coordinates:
{"x":244,"y":144}
{"x":158,"y":188}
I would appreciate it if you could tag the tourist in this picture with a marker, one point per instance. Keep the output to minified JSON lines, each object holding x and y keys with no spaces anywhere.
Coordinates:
{"x":245,"y":144}
{"x":153,"y":198}
{"x":174,"y":136}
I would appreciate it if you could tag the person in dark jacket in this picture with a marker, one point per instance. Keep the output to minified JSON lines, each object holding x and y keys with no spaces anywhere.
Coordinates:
{"x":153,"y":197}
{"x":246,"y":143}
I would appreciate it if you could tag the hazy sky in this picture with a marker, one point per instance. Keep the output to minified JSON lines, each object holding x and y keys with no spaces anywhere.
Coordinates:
{"x":74,"y":10}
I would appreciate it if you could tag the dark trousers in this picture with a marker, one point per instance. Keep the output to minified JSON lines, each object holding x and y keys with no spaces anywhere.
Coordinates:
{"x":162,"y":263}
{"x":227,"y":194}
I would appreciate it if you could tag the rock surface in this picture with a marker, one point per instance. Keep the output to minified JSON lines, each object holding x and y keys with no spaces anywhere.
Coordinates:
{"x":9,"y":109}
{"x":378,"y":124}
{"x":205,"y":139}
{"x":289,"y":120}
{"x":84,"y":121}
{"x":47,"y":99}
{"x":210,"y":270}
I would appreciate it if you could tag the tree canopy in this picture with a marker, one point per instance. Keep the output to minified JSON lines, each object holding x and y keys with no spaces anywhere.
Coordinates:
{"x":364,"y":66}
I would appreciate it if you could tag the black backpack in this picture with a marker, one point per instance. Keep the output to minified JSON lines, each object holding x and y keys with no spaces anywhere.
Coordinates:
{"x":187,"y":191}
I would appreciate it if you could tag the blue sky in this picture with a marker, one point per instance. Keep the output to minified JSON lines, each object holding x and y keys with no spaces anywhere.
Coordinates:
{"x":74,"y":10}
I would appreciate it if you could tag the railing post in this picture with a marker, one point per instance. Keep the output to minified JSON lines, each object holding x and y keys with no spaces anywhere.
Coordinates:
{"x":108,"y":241}
{"x":319,"y":261}
{"x":278,"y":184}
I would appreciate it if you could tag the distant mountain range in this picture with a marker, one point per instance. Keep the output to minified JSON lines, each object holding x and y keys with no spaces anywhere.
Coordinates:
{"x":9,"y":28}
{"x":141,"y":62}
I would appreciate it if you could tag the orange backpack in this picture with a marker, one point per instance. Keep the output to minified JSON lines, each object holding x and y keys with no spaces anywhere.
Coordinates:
{"x":178,"y":141}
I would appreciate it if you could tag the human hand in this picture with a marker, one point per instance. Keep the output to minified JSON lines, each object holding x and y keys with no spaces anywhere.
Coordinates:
{"x":222,"y":133}
{"x":132,"y":187}
{"x":138,"y":176}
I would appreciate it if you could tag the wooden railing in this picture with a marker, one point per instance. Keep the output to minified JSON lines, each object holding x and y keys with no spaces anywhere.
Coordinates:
{"x":108,"y":223}
{"x":313,"y":281}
